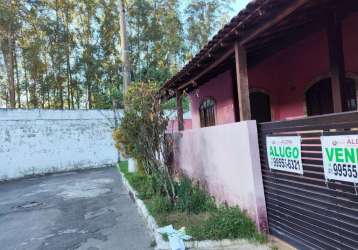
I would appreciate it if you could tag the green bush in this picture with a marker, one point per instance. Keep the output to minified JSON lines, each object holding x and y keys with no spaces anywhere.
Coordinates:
{"x":194,"y":208}
{"x":191,"y":198}
{"x":141,"y":134}
{"x":227,"y":223}
{"x":141,"y":182}
{"x":159,"y":205}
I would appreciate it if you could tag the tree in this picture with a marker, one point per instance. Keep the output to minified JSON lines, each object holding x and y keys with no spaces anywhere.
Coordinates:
{"x":67,"y":54}
{"x":142,"y":133}
{"x":203,"y":18}
{"x":9,"y":27}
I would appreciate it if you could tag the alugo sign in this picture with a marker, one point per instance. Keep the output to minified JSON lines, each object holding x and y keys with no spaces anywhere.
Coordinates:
{"x":340,"y":157}
{"x":284,"y":153}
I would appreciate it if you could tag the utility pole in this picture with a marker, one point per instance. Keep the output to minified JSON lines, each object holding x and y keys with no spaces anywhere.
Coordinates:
{"x":124,"y":48}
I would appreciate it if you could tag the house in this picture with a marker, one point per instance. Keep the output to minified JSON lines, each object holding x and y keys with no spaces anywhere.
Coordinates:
{"x":173,"y":121}
{"x":291,"y":66}
{"x":300,"y":63}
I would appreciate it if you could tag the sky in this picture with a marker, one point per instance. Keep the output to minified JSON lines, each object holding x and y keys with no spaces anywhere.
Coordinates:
{"x":238,"y":5}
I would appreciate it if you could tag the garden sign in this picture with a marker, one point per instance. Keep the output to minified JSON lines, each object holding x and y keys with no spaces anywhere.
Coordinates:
{"x":340,"y":157}
{"x":284,"y":153}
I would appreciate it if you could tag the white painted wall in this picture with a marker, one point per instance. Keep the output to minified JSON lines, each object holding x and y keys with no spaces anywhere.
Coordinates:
{"x":225,"y":159}
{"x":46,"y":141}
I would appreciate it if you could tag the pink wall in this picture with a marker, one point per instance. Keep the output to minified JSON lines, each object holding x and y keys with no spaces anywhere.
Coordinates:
{"x":225,"y":159}
{"x":350,"y":43}
{"x":221,"y":90}
{"x":285,"y":76}
{"x":173,"y":125}
{"x":289,"y":73}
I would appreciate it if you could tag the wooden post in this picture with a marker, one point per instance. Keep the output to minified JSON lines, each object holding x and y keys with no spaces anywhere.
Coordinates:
{"x":124,"y":47}
{"x":179,"y":99}
{"x":336,"y":60}
{"x":242,"y":82}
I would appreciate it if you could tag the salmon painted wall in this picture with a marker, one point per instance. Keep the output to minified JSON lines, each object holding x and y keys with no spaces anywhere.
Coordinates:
{"x":173,"y":125}
{"x":220,"y":89}
{"x":211,"y":156}
{"x":288,"y":74}
{"x":285,"y":76}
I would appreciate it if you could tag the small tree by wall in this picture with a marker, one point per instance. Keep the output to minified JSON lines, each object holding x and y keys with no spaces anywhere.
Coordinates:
{"x":141,"y":134}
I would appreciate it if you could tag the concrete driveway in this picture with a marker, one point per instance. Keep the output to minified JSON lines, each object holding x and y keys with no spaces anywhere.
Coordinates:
{"x":77,"y":210}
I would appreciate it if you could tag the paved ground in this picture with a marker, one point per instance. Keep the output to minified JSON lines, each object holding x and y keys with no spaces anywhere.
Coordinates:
{"x":87,"y":210}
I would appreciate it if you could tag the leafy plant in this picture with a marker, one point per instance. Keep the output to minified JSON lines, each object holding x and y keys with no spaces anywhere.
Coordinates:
{"x":192,"y":199}
{"x":194,"y":209}
{"x":142,"y":135}
{"x":159,"y":205}
{"x":142,"y":183}
{"x":227,"y":223}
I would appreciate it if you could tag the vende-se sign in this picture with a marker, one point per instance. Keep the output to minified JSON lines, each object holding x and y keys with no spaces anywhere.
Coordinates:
{"x":284,"y":153}
{"x":340,"y":157}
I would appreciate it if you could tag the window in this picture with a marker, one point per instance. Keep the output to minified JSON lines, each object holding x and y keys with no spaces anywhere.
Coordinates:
{"x":350,"y":96}
{"x":319,"y":97}
{"x":207,"y":113}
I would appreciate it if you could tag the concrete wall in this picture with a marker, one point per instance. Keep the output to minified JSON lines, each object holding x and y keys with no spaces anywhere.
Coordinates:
{"x":225,"y":159}
{"x":285,"y":76}
{"x":45,"y":141}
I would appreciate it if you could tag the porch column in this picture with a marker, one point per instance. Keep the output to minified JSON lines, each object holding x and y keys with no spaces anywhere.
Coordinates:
{"x":242,"y":82}
{"x":336,"y":60}
{"x":179,"y":102}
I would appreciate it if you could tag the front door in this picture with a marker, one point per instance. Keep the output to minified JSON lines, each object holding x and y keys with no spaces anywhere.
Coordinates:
{"x":260,"y":107}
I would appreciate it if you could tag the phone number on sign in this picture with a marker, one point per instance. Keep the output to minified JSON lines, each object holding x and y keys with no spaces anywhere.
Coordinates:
{"x":345,"y":170}
{"x":286,"y":163}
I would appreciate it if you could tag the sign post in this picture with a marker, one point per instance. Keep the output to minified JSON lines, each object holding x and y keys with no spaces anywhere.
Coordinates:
{"x":284,"y":153}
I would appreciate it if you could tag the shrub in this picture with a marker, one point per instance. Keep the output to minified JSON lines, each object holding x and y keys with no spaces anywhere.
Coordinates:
{"x":119,"y":142}
{"x":142,"y":183}
{"x":159,"y":205}
{"x":227,"y":223}
{"x":142,"y":134}
{"x":191,"y":198}
{"x":194,"y":209}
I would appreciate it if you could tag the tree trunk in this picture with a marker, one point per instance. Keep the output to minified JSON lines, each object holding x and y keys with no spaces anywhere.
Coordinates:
{"x":9,"y":63}
{"x":68,"y":63}
{"x":27,"y":89}
{"x":78,"y":96}
{"x":89,"y":96}
{"x":69,"y":80}
{"x":18,"y":87}
{"x":59,"y":81}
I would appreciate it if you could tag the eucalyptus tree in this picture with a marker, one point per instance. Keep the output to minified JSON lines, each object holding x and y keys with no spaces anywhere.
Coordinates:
{"x":109,"y":91}
{"x":66,"y":54}
{"x":156,"y":39}
{"x":9,"y":28}
{"x":203,"y":18}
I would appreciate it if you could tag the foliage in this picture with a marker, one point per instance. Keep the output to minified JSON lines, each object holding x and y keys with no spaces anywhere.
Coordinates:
{"x":119,"y":141}
{"x":66,"y":55}
{"x":159,"y":205}
{"x":141,"y":182}
{"x":191,"y":198}
{"x":142,"y":129}
{"x":227,"y":223}
{"x":203,"y":18}
{"x":207,"y":222}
